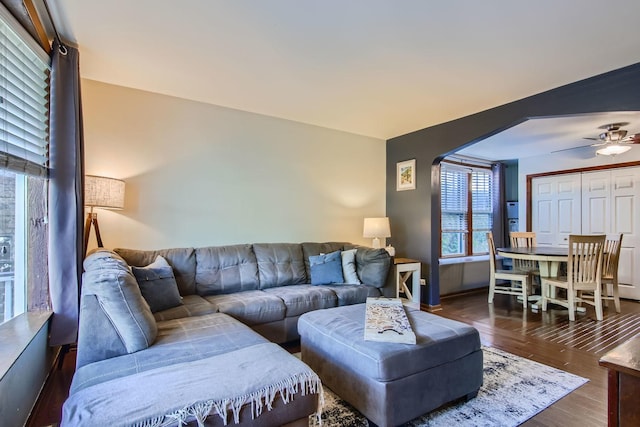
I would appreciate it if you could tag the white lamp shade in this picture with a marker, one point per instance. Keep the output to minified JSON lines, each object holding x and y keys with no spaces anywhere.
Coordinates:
{"x":102,"y":192}
{"x":613,"y":149}
{"x":376,"y":227}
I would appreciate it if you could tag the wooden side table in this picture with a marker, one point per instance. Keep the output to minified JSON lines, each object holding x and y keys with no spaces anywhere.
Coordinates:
{"x":624,"y":383}
{"x":405,"y":268}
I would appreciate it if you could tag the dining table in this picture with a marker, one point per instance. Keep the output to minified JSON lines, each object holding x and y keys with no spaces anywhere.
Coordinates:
{"x":548,"y":258}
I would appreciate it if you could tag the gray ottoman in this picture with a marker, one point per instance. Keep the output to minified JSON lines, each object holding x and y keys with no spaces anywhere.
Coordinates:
{"x":392,"y":383}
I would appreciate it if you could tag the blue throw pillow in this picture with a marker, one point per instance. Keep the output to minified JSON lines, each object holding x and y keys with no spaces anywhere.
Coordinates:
{"x":326,"y":269}
{"x":158,"y":285}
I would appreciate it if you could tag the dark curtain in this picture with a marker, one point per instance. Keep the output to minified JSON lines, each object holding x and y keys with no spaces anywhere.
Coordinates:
{"x":66,"y":205}
{"x":500,"y":231}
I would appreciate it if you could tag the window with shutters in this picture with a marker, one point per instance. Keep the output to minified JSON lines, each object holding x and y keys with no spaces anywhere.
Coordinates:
{"x":466,"y":210}
{"x":24,"y":138}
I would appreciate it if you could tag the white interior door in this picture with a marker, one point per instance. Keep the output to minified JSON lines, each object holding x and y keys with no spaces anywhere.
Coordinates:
{"x":556,"y":208}
{"x":625,"y":218}
{"x":602,"y":202}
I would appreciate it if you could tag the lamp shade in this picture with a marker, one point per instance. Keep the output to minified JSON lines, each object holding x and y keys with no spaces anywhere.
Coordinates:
{"x":613,"y":149}
{"x":376,"y":227}
{"x":103,"y":192}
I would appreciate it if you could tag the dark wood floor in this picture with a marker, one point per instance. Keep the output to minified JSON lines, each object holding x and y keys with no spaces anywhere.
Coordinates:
{"x":504,"y":325}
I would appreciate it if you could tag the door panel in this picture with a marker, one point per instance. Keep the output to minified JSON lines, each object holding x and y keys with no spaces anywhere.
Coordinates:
{"x":625,"y":196}
{"x":556,"y":208}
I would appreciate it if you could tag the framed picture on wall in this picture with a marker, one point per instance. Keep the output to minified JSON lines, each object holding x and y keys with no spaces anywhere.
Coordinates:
{"x":406,"y":175}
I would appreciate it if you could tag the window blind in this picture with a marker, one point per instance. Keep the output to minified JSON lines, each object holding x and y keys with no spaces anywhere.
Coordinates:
{"x":24,"y":100}
{"x":466,"y":209}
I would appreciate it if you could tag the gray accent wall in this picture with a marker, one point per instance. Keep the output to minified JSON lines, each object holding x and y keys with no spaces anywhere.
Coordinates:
{"x":415,"y":214}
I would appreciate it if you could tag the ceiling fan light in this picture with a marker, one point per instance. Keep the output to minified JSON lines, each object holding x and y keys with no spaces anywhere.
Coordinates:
{"x":613,"y":149}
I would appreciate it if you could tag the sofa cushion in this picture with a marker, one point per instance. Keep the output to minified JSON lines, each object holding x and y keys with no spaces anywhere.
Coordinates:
{"x":250,"y":307}
{"x":102,"y":258}
{"x":192,"y":305}
{"x":182,"y":260}
{"x":120,"y":299}
{"x":373,"y":266}
{"x":258,"y":385}
{"x":353,"y":294}
{"x":158,"y":285}
{"x":326,"y":269}
{"x":226,"y":269}
{"x":178,"y":341}
{"x":314,"y":248}
{"x":300,"y":299}
{"x":280,"y":264}
{"x":349,"y":270}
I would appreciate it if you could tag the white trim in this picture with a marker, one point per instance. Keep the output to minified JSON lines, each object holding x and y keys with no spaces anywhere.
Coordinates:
{"x":463,"y":259}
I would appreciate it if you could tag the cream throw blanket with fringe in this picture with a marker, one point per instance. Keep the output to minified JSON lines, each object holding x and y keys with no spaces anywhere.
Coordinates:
{"x":216,"y":386}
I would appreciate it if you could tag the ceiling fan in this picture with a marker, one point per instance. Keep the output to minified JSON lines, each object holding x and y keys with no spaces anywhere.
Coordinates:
{"x":615,"y":135}
{"x":612,"y":141}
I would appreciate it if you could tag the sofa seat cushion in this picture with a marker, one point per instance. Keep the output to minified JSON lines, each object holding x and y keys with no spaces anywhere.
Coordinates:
{"x":182,"y":260}
{"x":353,"y":294}
{"x":226,"y":269}
{"x":250,"y":307}
{"x":200,"y":389}
{"x":300,"y":299}
{"x":439,"y":341}
{"x":192,"y":305}
{"x":280,"y":264}
{"x":178,"y":341}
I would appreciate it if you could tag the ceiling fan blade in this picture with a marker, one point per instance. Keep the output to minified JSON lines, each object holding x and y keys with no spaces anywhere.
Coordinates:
{"x":632,"y":139}
{"x":593,"y":139}
{"x":576,"y":148}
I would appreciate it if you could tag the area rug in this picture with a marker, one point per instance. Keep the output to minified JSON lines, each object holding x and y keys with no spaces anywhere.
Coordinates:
{"x":514,"y":390}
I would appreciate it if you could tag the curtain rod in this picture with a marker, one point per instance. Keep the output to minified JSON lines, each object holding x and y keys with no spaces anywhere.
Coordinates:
{"x":61,"y":46}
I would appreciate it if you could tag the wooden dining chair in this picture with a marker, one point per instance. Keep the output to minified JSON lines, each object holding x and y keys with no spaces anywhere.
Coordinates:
{"x":584,"y":273}
{"x":519,"y":276}
{"x":610,"y":261}
{"x":524,"y":239}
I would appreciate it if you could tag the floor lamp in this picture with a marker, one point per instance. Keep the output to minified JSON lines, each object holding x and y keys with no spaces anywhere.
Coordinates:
{"x":100,"y":192}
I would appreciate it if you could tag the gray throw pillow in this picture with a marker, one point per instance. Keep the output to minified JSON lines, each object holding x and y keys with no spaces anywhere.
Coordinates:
{"x":326,"y":269}
{"x":349,"y":267}
{"x":158,"y":285}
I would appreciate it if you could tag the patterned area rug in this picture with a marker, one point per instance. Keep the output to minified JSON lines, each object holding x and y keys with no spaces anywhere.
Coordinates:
{"x":514,"y":390}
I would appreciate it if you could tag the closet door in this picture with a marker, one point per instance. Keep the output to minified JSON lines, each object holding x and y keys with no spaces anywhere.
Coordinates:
{"x":625,"y":218}
{"x":556,"y":208}
{"x":596,"y":195}
{"x":611,"y":205}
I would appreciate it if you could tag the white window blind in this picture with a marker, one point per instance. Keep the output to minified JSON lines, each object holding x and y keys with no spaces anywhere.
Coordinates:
{"x":466,"y":210}
{"x":24,"y":100}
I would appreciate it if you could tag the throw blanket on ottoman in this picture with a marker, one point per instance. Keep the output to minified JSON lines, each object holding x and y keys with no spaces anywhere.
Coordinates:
{"x":386,"y":321}
{"x":195,"y":390}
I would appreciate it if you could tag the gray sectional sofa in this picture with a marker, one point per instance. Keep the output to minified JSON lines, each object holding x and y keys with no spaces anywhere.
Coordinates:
{"x":188,"y":335}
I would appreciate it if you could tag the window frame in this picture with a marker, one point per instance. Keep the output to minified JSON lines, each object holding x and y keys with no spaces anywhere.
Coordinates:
{"x":467,"y":244}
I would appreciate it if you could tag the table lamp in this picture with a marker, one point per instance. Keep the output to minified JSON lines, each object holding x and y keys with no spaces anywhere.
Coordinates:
{"x":376,"y":228}
{"x":100,"y":192}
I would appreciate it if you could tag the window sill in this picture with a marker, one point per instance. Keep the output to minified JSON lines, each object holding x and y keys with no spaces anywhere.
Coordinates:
{"x":464,"y":259}
{"x":16,"y":334}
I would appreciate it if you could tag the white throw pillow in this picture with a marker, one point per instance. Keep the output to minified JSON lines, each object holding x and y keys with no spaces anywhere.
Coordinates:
{"x":349,"y":267}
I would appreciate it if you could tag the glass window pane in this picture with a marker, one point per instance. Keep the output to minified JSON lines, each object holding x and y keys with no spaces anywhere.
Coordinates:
{"x":480,"y":244}
{"x":23,"y":245}
{"x":453,"y":244}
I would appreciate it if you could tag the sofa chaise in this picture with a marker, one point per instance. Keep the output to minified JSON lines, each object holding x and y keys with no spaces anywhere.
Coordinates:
{"x":188,"y":336}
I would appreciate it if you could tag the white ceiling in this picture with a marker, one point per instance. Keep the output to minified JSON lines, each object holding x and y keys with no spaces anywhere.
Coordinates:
{"x":540,"y":136}
{"x":380,"y":68}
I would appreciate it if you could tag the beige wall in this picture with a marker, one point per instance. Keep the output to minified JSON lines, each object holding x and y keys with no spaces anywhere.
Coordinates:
{"x":198,"y":174}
